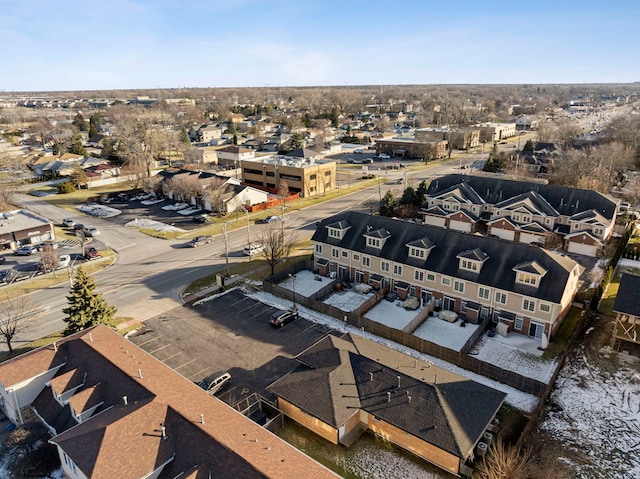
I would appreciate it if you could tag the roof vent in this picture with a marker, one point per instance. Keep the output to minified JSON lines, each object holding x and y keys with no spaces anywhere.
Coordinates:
{"x":435,"y":379}
{"x":371,"y":376}
{"x":90,"y":337}
{"x":164,"y":433}
{"x":388,"y":396}
{"x":124,"y":399}
{"x":140,"y":373}
{"x":201,"y":418}
{"x":398,"y":381}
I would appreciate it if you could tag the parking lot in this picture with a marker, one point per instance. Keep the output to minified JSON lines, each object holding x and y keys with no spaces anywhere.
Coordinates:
{"x":132,"y":209}
{"x":230,"y":333}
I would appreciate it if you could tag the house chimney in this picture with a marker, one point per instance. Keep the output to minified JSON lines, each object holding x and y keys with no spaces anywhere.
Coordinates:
{"x":164,"y":432}
{"x":124,"y":399}
{"x":388,"y":396}
{"x":201,"y":418}
{"x":140,"y":373}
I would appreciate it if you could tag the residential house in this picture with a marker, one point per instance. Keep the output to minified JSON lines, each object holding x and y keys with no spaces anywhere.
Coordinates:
{"x":344,"y":386}
{"x":581,"y":221}
{"x":22,"y":227}
{"x":627,"y":308}
{"x":302,"y":175}
{"x":113,"y":410}
{"x":526,"y":288}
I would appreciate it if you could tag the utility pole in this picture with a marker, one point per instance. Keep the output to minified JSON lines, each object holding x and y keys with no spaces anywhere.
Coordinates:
{"x":226,"y":247}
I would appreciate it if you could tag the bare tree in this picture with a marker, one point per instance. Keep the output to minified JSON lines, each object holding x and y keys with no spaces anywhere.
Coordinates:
{"x":277,"y":245}
{"x":49,"y":260}
{"x":15,"y":314}
{"x":283,"y":188}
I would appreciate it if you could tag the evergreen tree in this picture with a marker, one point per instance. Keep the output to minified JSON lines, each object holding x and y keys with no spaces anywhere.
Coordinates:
{"x":297,"y":141}
{"x":528,"y":146}
{"x":93,"y":130}
{"x":421,"y":193}
{"x":388,"y":204}
{"x":408,"y":196}
{"x":77,"y":147}
{"x":80,"y":122}
{"x":86,"y":307}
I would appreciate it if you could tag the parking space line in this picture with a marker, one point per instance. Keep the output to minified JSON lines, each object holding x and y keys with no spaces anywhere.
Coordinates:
{"x":183,"y":365}
{"x":156,"y":350}
{"x":200,"y":372}
{"x":172,"y":356}
{"x":149,"y":340}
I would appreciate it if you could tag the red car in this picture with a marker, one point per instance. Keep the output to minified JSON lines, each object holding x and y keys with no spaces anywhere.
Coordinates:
{"x":91,"y":253}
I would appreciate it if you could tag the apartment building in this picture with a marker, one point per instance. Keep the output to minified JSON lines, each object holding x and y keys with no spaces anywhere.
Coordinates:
{"x":527,"y":288}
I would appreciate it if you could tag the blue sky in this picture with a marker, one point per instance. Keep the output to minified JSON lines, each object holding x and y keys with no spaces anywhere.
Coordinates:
{"x":118,"y":44}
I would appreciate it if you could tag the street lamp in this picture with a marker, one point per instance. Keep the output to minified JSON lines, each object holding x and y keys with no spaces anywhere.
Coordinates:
{"x":293,"y":287}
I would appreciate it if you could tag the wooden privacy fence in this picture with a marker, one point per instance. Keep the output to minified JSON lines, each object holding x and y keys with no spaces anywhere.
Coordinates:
{"x":355,"y":318}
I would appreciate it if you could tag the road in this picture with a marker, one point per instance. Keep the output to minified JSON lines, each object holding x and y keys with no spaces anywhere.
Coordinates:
{"x":150,"y":273}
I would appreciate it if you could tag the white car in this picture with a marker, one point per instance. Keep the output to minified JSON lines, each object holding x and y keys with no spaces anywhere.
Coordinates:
{"x":253,"y":249}
{"x":91,"y":231}
{"x":64,"y":260}
{"x":68,"y":222}
{"x":384,"y":156}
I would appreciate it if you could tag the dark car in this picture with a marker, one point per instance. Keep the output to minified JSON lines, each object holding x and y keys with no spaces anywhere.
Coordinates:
{"x":6,"y":275}
{"x":27,"y":250}
{"x":199,"y":240}
{"x":3,"y":259}
{"x":280,"y":318}
{"x":200,"y":219}
{"x":78,"y":227}
{"x":91,"y":253}
{"x":47,"y":245}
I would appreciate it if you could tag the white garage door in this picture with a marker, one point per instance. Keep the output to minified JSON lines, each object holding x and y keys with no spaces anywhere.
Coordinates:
{"x":460,"y":226}
{"x":504,"y":234}
{"x":528,"y":238}
{"x":438,"y":221}
{"x":585,"y":249}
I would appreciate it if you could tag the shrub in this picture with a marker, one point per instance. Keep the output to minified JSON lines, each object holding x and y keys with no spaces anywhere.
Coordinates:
{"x":66,"y":187}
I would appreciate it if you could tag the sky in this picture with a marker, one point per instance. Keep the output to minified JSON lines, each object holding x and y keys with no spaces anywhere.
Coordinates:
{"x":126,"y":44}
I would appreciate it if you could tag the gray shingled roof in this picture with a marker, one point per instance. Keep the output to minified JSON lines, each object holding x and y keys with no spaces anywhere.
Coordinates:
{"x":497,"y":270}
{"x":339,"y":376}
{"x":566,"y":201}
{"x":628,"y":300}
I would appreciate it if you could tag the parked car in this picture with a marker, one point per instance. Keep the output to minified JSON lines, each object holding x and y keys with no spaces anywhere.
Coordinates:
{"x":78,"y":227}
{"x":384,"y":156}
{"x":91,"y":253}
{"x":6,"y":275}
{"x":280,"y":318}
{"x":64,"y":260}
{"x":272,"y":218}
{"x":27,"y":250}
{"x":200,"y":219}
{"x":216,"y":382}
{"x":199,"y":240}
{"x":68,"y":222}
{"x":253,"y":249}
{"x":358,"y":151}
{"x":91,"y":231}
{"x":3,"y":258}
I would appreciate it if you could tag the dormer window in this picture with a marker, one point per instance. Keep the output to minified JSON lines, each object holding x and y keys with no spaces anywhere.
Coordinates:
{"x":472,"y":260}
{"x":529,"y":273}
{"x":338,"y":230}
{"x":376,"y":238}
{"x":420,"y":249}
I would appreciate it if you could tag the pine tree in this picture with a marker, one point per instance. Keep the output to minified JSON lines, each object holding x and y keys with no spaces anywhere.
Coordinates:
{"x":388,"y":204}
{"x":86,"y":307}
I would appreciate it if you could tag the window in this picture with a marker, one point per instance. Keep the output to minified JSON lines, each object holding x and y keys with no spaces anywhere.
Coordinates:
{"x":319,"y":248}
{"x":345,"y":254}
{"x":458,"y":286}
{"x":417,"y":252}
{"x":431,"y":277}
{"x":356,"y":257}
{"x":469,"y":265}
{"x":366,"y":261}
{"x":526,"y":278}
{"x":374,"y":242}
{"x":545,"y":307}
{"x":483,"y":293}
{"x":529,"y":305}
{"x":384,"y":266}
{"x":334,"y":233}
{"x":312,"y":177}
{"x":518,"y":324}
{"x":446,"y":281}
{"x":463,"y":307}
{"x":397,"y":269}
{"x":334,"y":252}
{"x":501,"y":298}
{"x":418,"y":275}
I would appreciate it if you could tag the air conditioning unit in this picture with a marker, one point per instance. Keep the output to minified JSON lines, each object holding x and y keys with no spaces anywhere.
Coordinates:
{"x":481,"y":449}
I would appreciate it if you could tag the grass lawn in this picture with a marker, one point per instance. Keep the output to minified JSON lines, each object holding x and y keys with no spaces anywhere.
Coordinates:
{"x":609,"y":297}
{"x":559,"y":341}
{"x":69,"y":201}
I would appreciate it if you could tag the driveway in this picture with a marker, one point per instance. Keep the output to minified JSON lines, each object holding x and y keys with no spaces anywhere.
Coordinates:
{"x":230,"y":333}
